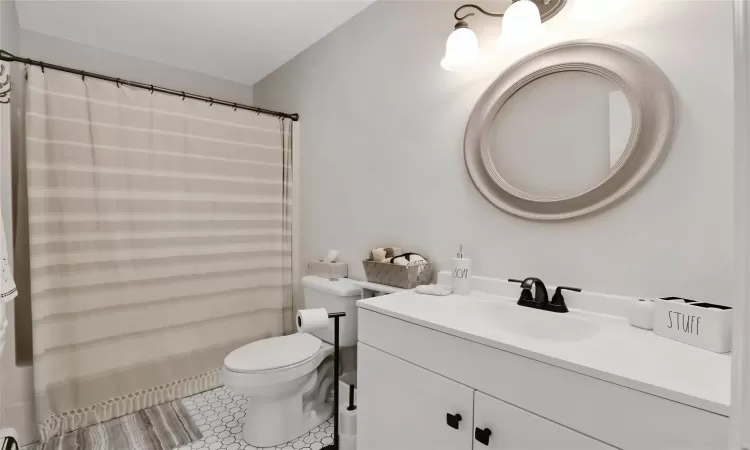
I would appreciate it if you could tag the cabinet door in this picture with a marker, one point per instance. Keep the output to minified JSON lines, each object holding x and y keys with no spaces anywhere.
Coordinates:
{"x":404,"y":407}
{"x":512,"y":428}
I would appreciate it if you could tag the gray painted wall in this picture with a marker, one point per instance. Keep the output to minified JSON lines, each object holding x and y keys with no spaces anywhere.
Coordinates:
{"x":382,"y":154}
{"x":9,"y":41}
{"x":79,"y":56}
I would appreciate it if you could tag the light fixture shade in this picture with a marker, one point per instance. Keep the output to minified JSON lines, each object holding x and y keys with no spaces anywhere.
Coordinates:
{"x":461,"y":50}
{"x":521,"y":23}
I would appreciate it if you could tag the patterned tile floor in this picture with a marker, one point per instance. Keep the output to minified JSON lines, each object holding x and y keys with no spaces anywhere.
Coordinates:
{"x":219,"y":414}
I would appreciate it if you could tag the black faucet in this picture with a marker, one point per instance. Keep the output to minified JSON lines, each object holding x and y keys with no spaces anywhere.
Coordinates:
{"x":540,"y":300}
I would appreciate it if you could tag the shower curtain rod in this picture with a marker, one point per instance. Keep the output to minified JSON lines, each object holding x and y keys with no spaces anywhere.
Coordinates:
{"x":5,"y":56}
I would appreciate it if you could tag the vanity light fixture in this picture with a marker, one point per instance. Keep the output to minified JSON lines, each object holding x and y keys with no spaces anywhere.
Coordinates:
{"x":521,"y":21}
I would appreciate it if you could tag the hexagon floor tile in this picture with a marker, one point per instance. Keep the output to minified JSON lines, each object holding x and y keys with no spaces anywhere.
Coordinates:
{"x":219,"y":414}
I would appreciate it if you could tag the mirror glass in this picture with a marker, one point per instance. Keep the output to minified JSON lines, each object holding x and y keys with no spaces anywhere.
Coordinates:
{"x":560,"y":134}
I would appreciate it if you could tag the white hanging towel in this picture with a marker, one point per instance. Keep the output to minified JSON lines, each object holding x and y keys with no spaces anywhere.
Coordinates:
{"x":7,"y":286}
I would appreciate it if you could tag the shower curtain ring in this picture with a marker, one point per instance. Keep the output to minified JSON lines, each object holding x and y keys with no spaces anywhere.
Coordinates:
{"x":117,"y":81}
{"x":4,"y":94}
{"x":152,"y":89}
{"x":235,"y":106}
{"x":211,"y":102}
{"x":41,"y":64}
{"x":183,"y":96}
{"x":83,"y":76}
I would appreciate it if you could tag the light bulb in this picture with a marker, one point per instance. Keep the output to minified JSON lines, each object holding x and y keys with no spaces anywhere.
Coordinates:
{"x":522,"y":22}
{"x":461,"y":49}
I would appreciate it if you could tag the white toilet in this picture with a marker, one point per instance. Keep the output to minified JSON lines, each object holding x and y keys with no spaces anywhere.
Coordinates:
{"x":288,"y":378}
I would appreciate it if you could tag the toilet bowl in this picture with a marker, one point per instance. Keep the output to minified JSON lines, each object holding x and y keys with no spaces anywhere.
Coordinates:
{"x":277,"y":374}
{"x":288,"y":378}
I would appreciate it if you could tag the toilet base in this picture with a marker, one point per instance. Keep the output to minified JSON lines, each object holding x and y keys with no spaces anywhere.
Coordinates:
{"x":270,"y":424}
{"x":283,"y":412}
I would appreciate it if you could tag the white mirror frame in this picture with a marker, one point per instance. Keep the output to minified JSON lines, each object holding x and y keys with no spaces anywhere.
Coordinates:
{"x":652,"y":103}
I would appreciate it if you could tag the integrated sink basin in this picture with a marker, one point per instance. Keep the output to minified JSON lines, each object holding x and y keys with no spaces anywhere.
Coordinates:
{"x":500,"y":315}
{"x":532,"y":323}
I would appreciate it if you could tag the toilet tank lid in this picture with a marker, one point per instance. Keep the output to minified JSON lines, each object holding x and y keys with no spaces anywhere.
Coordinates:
{"x":341,"y":287}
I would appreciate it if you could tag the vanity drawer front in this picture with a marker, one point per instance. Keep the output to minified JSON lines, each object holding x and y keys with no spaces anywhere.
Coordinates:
{"x":513,"y":428}
{"x":404,"y":407}
{"x":620,"y":416}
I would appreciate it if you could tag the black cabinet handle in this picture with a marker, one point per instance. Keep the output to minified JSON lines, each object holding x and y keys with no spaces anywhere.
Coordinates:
{"x":483,"y":435}
{"x":452,"y":420}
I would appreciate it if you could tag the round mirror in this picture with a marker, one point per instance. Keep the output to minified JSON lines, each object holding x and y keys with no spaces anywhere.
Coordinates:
{"x":560,"y":134}
{"x":569,"y":130}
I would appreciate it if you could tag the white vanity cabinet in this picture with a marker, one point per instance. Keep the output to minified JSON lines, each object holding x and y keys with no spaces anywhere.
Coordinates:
{"x":405,"y":407}
{"x":412,"y":376}
{"x":408,"y":407}
{"x":512,"y":428}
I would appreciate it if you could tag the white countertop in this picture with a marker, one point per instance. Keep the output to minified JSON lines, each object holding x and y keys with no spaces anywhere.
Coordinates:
{"x":379,"y":287}
{"x":605,"y":347}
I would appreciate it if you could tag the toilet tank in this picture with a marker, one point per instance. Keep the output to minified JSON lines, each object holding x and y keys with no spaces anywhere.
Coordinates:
{"x":337,"y":295}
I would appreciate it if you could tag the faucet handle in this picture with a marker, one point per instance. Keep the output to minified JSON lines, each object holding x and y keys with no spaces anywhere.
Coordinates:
{"x":557,"y":304}
{"x":559,"y":289}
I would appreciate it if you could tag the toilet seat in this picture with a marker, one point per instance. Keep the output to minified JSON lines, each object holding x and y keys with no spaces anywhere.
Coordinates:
{"x":273,"y":354}
{"x":268,"y":379}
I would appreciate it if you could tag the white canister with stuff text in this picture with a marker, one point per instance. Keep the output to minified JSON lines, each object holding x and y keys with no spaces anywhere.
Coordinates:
{"x":703,"y":325}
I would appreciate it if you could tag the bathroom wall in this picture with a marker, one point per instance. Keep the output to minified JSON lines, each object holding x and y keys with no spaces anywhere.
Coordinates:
{"x":80,"y":56}
{"x":9,"y":41}
{"x":17,"y":379}
{"x":382,"y":159}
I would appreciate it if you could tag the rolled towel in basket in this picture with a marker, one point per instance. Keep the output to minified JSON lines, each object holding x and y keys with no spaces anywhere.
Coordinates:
{"x":378,"y":254}
{"x":384,"y":254}
{"x":409,"y":259}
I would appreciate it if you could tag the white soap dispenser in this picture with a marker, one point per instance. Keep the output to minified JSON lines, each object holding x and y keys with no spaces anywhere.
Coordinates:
{"x":461,"y":273}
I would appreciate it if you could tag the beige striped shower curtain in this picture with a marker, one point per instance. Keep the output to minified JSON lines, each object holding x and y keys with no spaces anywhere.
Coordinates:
{"x":160,"y":240}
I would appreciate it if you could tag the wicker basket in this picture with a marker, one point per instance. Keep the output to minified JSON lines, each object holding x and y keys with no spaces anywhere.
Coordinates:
{"x":407,"y":277}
